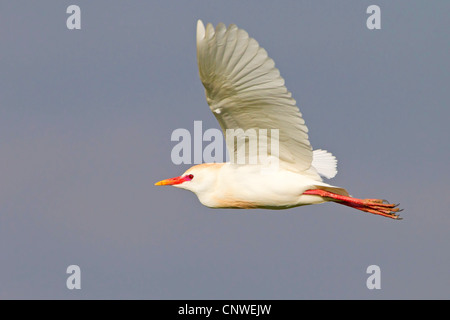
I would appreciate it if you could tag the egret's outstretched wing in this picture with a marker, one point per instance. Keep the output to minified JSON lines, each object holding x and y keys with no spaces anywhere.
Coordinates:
{"x":244,"y":90}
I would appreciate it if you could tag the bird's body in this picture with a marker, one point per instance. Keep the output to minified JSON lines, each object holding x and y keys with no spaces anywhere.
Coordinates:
{"x":245,"y":92}
{"x":254,"y":186}
{"x":274,"y":190}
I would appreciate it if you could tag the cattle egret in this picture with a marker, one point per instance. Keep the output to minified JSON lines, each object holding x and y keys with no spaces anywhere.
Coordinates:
{"x":245,"y":91}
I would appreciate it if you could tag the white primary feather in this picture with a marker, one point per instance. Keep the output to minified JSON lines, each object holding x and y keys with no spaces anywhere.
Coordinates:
{"x":244,"y":90}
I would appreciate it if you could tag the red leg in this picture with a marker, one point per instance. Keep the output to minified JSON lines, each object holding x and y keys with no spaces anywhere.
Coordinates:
{"x":375,"y":206}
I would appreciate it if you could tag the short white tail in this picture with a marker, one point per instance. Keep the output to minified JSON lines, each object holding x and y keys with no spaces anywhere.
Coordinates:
{"x":325,"y":163}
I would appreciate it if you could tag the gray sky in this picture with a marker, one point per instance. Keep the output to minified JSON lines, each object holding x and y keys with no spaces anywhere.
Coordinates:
{"x":85,"y":123}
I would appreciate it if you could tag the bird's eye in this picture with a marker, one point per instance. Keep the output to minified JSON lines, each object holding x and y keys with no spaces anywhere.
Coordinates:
{"x":191,"y":176}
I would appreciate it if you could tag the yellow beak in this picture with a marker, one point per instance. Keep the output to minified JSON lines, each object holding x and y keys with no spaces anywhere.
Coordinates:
{"x":171,"y":181}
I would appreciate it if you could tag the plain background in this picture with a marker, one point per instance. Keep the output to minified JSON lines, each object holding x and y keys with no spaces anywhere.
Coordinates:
{"x":85,"y":123}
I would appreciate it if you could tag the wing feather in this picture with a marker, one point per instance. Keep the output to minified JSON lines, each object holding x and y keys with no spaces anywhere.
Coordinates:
{"x":244,"y":90}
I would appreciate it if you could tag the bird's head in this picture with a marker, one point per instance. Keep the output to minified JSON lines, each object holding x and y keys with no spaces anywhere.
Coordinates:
{"x":198,"y":179}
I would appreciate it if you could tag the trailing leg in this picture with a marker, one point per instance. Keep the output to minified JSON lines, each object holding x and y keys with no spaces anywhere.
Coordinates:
{"x":375,"y":206}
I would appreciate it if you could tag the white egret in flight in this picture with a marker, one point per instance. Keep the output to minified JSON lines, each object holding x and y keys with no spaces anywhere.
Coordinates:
{"x":245,"y":91}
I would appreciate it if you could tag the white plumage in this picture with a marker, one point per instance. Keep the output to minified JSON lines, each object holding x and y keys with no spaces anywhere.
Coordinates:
{"x":242,"y":82}
{"x":325,"y":163}
{"x":245,"y":91}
